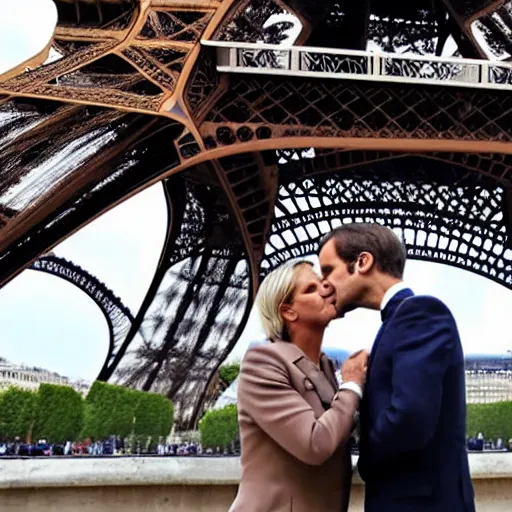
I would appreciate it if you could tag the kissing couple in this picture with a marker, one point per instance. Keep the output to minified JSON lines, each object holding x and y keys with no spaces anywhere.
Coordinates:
{"x":409,"y":392}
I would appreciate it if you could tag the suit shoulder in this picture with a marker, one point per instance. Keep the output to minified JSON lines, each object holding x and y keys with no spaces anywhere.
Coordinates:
{"x":426,"y":302}
{"x":265,"y":353}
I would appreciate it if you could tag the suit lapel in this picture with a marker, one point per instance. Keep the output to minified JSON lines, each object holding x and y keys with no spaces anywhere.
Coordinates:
{"x":323,"y":386}
{"x":324,"y":383}
{"x":329,"y":371}
{"x":388,"y":313}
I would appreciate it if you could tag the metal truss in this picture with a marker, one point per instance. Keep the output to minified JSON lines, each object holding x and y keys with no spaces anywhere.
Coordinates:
{"x":119,"y":317}
{"x":128,"y":97}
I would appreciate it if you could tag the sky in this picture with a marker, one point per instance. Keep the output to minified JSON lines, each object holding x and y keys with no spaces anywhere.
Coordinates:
{"x":49,"y":323}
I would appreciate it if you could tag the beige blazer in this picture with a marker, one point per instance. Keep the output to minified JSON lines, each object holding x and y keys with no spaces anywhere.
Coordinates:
{"x":294,"y":453}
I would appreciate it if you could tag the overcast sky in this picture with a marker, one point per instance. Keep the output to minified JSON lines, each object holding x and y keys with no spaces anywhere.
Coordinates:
{"x":49,"y":323}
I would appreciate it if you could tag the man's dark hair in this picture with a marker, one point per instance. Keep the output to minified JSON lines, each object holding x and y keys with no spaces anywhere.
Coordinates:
{"x":386,"y":248}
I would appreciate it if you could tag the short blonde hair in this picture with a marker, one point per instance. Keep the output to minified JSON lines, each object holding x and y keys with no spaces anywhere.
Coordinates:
{"x":275,"y":289}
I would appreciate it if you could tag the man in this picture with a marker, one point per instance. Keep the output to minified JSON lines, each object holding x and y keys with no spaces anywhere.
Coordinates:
{"x":412,"y":449}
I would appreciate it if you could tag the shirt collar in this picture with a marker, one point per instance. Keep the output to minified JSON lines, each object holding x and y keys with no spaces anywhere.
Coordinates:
{"x":397,"y":287}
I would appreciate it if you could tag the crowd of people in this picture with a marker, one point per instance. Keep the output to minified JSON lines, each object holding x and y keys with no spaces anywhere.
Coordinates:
{"x":114,"y":446}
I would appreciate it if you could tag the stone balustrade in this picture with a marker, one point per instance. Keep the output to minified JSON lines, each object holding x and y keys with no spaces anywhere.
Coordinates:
{"x":178,"y":484}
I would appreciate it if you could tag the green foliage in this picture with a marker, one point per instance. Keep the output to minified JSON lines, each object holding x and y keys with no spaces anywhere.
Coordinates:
{"x":219,"y":427}
{"x":59,"y":414}
{"x":492,"y":420}
{"x":153,"y":416}
{"x":17,"y":408}
{"x":109,"y":410}
{"x":229,"y":372}
{"x":99,"y":404}
{"x":117,"y":410}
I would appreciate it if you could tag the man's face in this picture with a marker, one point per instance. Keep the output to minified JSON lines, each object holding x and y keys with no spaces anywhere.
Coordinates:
{"x":348,"y":286}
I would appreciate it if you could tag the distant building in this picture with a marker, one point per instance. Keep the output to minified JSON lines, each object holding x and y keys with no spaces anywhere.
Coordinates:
{"x":488,"y":378}
{"x":31,"y":377}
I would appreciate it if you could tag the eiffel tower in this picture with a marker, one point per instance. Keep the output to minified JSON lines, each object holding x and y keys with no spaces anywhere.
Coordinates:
{"x":268,"y":123}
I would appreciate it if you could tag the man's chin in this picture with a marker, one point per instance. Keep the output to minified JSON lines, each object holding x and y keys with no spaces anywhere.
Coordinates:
{"x":341,"y":312}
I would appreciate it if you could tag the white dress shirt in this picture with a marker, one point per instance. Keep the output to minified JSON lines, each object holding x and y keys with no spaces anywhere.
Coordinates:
{"x":397,"y":287}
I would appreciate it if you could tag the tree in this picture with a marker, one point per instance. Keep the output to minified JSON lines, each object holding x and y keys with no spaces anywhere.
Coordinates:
{"x":109,"y":410}
{"x":153,"y":416}
{"x":219,"y":427}
{"x":59,"y":413}
{"x":229,"y":372}
{"x":17,"y":408}
{"x":120,"y":411}
{"x":492,"y":420}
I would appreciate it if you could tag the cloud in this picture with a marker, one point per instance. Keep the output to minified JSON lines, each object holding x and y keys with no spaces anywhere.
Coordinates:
{"x":26,"y":26}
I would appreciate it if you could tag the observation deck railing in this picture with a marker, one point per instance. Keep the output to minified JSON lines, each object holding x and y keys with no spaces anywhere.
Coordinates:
{"x":303,"y":61}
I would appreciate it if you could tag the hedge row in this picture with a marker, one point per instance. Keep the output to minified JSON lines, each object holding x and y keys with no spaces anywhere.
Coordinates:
{"x":492,"y":420}
{"x":219,"y":427}
{"x":17,"y":412}
{"x":59,"y":413}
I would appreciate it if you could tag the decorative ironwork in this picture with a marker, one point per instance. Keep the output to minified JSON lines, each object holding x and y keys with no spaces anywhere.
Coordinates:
{"x":456,"y":220}
{"x":128,"y":96}
{"x":349,"y":64}
{"x":298,"y":107}
{"x":200,"y":305}
{"x":119,"y":317}
{"x":251,"y":21}
{"x":178,"y":25}
{"x":460,"y":72}
{"x":333,"y":63}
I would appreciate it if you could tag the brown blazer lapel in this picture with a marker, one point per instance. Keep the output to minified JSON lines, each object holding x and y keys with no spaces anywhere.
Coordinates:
{"x":323,"y":386}
{"x":328,"y":368}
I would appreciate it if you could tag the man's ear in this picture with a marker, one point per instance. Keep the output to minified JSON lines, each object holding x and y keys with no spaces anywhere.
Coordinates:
{"x":365,"y":262}
{"x":288,"y":313}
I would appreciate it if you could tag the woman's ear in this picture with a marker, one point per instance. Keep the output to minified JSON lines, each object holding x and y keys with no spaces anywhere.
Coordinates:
{"x":288,"y":314}
{"x":364,"y":262}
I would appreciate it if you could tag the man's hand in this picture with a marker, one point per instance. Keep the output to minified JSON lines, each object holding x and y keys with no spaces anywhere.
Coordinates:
{"x":355,"y":367}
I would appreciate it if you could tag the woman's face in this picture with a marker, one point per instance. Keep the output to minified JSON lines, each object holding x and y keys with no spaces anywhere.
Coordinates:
{"x":313,"y":300}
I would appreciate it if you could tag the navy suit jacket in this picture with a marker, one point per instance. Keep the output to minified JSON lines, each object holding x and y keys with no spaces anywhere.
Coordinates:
{"x":413,"y":414}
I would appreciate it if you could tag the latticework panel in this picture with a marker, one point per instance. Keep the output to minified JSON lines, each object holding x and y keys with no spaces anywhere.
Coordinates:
{"x":498,"y":167}
{"x":98,"y":14}
{"x":444,"y":213}
{"x":493,"y":26}
{"x":275,"y":107}
{"x":203,"y":82}
{"x":74,"y":162}
{"x":253,"y":184}
{"x":113,"y":65}
{"x":261,"y":21}
{"x":119,"y":318}
{"x":200,"y":302}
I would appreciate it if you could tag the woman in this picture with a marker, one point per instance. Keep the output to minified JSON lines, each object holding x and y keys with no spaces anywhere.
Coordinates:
{"x":294,"y":425}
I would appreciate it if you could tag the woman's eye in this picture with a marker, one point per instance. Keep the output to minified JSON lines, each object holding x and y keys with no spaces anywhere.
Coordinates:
{"x":311,"y":288}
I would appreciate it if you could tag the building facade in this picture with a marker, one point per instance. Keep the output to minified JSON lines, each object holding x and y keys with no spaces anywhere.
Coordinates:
{"x":31,"y":377}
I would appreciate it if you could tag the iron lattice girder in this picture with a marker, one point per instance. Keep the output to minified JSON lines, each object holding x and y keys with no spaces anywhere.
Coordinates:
{"x":119,"y":317}
{"x":262,"y":108}
{"x":151,"y":60}
{"x":199,"y":300}
{"x":444,"y":213}
{"x":143,"y":75}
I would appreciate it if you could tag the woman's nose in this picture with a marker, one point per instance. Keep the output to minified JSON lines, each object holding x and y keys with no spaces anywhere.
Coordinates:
{"x":326,"y":288}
